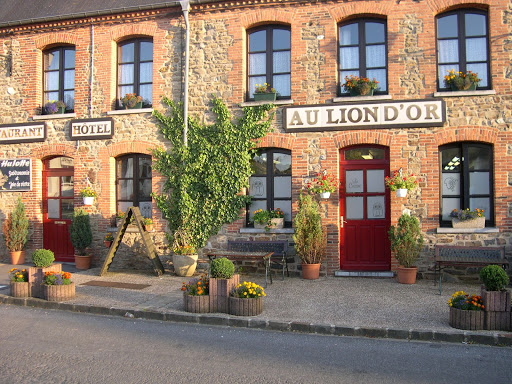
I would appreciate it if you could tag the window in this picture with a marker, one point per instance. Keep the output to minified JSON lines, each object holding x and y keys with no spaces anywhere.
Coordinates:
{"x":269,"y":60}
{"x":466,"y":180}
{"x":270,"y":185}
{"x":463,"y":45}
{"x":134,"y":183}
{"x":363,"y":51}
{"x":135,"y":70}
{"x":59,"y":76}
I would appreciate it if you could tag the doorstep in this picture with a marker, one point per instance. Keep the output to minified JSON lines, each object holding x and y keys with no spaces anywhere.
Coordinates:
{"x":342,"y":273}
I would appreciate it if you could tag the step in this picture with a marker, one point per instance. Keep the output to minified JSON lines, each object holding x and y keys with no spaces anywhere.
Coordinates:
{"x":364,"y":274}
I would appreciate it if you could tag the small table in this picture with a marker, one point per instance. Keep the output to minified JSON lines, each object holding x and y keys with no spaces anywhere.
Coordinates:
{"x":241,"y":256}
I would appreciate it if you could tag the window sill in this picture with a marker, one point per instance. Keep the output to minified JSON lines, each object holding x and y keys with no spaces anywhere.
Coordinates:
{"x":352,"y":99}
{"x":54,"y":116}
{"x":256,"y":103}
{"x":129,"y":111}
{"x":464,"y":93}
{"x":254,"y":230}
{"x":467,"y":230}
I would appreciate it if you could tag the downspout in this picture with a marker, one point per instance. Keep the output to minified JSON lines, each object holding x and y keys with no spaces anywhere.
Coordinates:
{"x":91,"y":77}
{"x":185,"y":6}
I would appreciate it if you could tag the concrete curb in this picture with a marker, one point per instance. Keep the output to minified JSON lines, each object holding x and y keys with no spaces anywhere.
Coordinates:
{"x":467,"y":337}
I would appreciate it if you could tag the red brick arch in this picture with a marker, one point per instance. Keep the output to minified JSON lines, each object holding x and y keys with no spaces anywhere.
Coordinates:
{"x":125,"y":147}
{"x":339,"y":12}
{"x":440,"y":6}
{"x":277,"y":140}
{"x":48,"y":150}
{"x":265,"y":16}
{"x":121,"y":32}
{"x":454,"y":134}
{"x":57,"y":38}
{"x":346,"y":138}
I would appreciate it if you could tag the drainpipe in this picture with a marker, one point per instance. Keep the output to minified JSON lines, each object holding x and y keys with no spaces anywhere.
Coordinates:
{"x":185,"y":6}
{"x":91,"y":77}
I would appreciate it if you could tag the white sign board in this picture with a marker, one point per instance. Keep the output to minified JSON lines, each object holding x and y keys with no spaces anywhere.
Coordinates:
{"x":92,"y":129}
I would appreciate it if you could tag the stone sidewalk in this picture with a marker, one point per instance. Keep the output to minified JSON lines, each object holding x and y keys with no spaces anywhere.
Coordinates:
{"x":368,"y":307}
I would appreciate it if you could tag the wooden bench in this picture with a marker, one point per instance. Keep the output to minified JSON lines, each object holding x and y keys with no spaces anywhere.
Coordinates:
{"x":460,"y":256}
{"x":243,"y":250}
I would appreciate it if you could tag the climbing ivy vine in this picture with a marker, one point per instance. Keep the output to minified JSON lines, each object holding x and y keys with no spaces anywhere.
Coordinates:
{"x":203,"y":180}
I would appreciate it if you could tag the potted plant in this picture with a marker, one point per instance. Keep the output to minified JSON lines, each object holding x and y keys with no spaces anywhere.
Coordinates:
{"x":19,"y":282}
{"x":246,"y":299}
{"x":195,"y":295}
{"x":58,"y":286}
{"x":309,"y":236}
{"x":323,"y":184}
{"x":148,"y":224}
{"x":406,"y":242}
{"x":52,"y":107}
{"x":131,"y":101}
{"x":223,"y":280}
{"x":15,"y":229}
{"x":108,"y":239}
{"x":120,"y":215}
{"x":81,"y":238}
{"x":466,"y":312}
{"x":400,"y":183}
{"x":184,"y":256}
{"x":264,"y":93}
{"x":268,"y":219}
{"x":43,"y":262}
{"x":88,"y":195}
{"x":460,"y":81}
{"x":359,"y":86}
{"x":465,"y":218}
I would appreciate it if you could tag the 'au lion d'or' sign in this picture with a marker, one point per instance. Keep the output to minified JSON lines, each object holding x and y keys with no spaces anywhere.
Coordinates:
{"x":419,"y":113}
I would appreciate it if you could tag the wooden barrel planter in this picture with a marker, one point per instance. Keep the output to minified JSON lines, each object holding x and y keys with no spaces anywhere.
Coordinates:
{"x":220,"y":289}
{"x":196,"y":304}
{"x":463,"y":319}
{"x":19,"y":289}
{"x":59,"y":292}
{"x":36,"y":276}
{"x":497,"y":310}
{"x":245,"y":307}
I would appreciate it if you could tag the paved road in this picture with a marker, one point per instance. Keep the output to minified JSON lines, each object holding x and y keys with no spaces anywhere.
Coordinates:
{"x":51,"y":346}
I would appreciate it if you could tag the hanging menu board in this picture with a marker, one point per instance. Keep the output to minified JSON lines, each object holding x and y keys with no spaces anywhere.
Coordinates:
{"x":15,"y":175}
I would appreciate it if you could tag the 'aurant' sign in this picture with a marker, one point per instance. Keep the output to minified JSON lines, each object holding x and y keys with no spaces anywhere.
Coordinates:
{"x":370,"y":115}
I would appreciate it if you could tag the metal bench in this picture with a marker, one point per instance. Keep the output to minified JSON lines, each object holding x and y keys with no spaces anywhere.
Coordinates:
{"x":460,"y":256}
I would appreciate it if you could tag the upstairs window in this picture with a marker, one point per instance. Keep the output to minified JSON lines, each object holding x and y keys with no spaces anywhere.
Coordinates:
{"x":466,"y":180}
{"x":463,"y":45}
{"x":269,"y":60}
{"x":363,"y":52}
{"x":135,"y":70}
{"x":59,"y":76}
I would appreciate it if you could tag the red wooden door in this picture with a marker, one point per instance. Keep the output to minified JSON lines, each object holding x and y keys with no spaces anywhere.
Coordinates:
{"x":58,"y":207}
{"x":364,"y":209}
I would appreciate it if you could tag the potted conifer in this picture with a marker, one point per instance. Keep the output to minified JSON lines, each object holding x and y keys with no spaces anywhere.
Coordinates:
{"x":81,"y":238}
{"x":15,"y":231}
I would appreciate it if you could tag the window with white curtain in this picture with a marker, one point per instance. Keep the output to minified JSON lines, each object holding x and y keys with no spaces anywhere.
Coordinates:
{"x":466,"y":179}
{"x":135,"y":70}
{"x":463,"y":45}
{"x":363,"y":51}
{"x":133,"y":179}
{"x":59,"y":76}
{"x":269,"y":61}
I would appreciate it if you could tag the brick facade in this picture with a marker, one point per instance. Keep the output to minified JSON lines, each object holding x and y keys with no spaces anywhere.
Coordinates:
{"x":218,"y":64}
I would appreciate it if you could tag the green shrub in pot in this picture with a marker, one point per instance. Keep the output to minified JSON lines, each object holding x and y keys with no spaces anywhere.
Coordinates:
{"x":494,"y":278}
{"x":406,"y":240}
{"x":222,"y":268}
{"x":43,"y":258}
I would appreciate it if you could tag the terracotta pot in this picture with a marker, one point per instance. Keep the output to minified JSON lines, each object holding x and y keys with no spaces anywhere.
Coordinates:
{"x":59,"y":292}
{"x":310,"y":271}
{"x":17,"y":257}
{"x":19,"y":289}
{"x":107,"y":243}
{"x":148,"y":227}
{"x":245,"y":307}
{"x":196,"y":304}
{"x":407,"y":275}
{"x":82,"y":262}
{"x":184,"y":265}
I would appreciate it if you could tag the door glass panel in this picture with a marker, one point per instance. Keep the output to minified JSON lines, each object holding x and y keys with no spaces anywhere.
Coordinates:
{"x":449,"y":204}
{"x":353,"y":181}
{"x":125,"y":191}
{"x":125,"y":168}
{"x":53,"y":209}
{"x":282,"y":186}
{"x":144,"y":167}
{"x":53,"y":186}
{"x":451,"y":184}
{"x":124,"y":205}
{"x":258,"y":187}
{"x":479,"y":183}
{"x":451,"y":159}
{"x":60,"y":162}
{"x":376,"y":207}
{"x":282,"y":164}
{"x":145,"y":189}
{"x":374,"y":181}
{"x":259,"y":164}
{"x":67,"y":186}
{"x":354,"y":207}
{"x":67,"y":208}
{"x":364,"y":154}
{"x":479,"y":159}
{"x":481,"y":203}
{"x":146,"y":208}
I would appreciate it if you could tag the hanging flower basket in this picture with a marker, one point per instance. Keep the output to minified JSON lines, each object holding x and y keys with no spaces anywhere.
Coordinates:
{"x":88,"y":200}
{"x":401,"y":192}
{"x":325,"y":195}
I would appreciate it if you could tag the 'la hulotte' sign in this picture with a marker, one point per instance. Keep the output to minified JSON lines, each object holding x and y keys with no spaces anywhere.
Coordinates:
{"x":15,"y":175}
{"x":420,"y":113}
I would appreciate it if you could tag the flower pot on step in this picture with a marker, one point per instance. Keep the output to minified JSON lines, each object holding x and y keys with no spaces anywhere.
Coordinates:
{"x":82,"y":262}
{"x":407,"y":275}
{"x":184,"y":265}
{"x":310,"y":271}
{"x":17,"y":257}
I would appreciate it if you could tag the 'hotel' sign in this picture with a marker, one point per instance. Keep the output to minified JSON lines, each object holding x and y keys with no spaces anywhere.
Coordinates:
{"x":339,"y":117}
{"x":92,"y":129}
